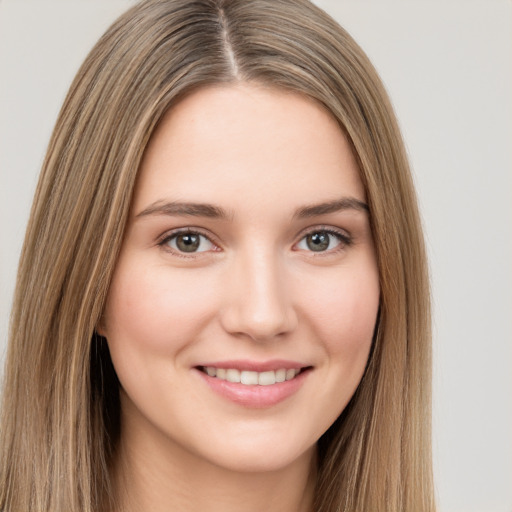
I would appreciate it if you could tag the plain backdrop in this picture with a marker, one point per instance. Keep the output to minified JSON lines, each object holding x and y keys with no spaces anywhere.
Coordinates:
{"x":448,"y":68}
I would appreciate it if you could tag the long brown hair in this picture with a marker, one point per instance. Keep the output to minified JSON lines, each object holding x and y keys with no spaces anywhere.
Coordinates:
{"x":60,"y":413}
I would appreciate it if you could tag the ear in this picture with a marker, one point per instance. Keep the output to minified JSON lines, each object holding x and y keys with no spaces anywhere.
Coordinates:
{"x":100,"y":327}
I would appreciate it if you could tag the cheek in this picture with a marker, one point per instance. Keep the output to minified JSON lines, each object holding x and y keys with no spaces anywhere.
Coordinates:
{"x":341,"y":314}
{"x":344,"y":311}
{"x":157,"y":310}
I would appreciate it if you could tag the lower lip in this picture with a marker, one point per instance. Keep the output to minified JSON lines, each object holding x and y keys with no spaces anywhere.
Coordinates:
{"x":255,"y":396}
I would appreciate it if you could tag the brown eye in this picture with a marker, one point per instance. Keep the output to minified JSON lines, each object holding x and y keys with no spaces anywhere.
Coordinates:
{"x":189,"y":242}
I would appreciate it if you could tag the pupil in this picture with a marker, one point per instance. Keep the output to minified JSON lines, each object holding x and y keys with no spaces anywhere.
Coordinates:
{"x":318,"y":241}
{"x":187,"y":242}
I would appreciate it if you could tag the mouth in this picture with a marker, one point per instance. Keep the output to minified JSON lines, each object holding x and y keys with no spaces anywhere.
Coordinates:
{"x":252,"y":378}
{"x":254,"y":385}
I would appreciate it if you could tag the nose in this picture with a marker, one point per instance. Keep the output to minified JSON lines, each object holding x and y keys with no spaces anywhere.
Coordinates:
{"x":257,"y":298}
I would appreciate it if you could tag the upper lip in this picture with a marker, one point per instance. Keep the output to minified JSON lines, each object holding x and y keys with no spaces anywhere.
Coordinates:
{"x":255,"y":366}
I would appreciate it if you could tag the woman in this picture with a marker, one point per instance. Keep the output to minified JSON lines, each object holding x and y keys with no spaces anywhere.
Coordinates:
{"x":222,"y":298}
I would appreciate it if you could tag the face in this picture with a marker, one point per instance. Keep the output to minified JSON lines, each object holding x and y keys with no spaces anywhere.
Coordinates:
{"x":244,"y":301}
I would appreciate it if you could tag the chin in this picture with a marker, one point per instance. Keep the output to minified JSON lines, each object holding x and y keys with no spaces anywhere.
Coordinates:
{"x":260,"y":462}
{"x":251,"y":456}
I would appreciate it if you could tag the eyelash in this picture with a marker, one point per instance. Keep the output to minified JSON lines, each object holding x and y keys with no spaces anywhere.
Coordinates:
{"x":345,"y":240}
{"x":184,"y":231}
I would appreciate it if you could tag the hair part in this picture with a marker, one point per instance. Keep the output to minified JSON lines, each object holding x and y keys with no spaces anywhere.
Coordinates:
{"x":60,"y":413}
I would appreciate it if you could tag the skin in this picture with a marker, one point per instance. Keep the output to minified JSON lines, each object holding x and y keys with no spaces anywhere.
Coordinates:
{"x":254,"y":290}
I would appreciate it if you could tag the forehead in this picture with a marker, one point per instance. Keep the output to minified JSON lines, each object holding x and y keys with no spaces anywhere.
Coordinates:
{"x":242,"y":142}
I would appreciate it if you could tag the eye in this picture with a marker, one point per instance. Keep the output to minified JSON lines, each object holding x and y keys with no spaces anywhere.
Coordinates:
{"x":188,"y":242}
{"x":322,"y":241}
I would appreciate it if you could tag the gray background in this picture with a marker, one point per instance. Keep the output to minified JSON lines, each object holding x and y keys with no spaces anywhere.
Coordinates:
{"x":448,"y":67}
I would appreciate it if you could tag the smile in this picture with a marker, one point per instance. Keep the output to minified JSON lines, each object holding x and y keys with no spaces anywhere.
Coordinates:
{"x":251,"y":378}
{"x":254,"y":384}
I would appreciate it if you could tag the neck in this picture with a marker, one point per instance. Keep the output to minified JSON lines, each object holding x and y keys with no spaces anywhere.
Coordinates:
{"x":160,"y":476}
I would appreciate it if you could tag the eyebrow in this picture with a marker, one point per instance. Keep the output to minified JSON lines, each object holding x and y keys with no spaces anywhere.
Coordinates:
{"x":179,"y":208}
{"x":184,"y":208}
{"x":337,"y":205}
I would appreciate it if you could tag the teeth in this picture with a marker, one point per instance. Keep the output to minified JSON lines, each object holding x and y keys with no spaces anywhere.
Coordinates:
{"x":281,"y":375}
{"x":267,"y":378}
{"x":252,"y":378}
{"x":233,"y":375}
{"x":249,"y":378}
{"x":290,"y":374}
